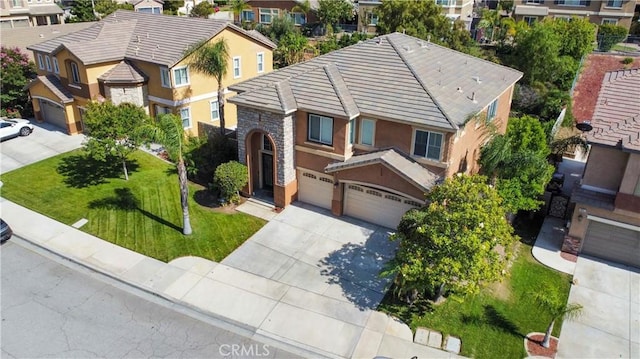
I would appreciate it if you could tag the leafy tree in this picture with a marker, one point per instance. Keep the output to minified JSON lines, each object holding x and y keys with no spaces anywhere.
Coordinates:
{"x":82,"y":11}
{"x":576,"y":36}
{"x":16,"y":70}
{"x":291,"y":49}
{"x":111,"y":131}
{"x":167,"y":130}
{"x":609,"y":35}
{"x":451,"y":244}
{"x":280,"y":27}
{"x":229,"y":178}
{"x":549,"y":299}
{"x":204,"y":154}
{"x":171,"y":7}
{"x":329,"y":44}
{"x":422,"y":19}
{"x":330,"y":12}
{"x":518,"y":163}
{"x":536,"y":52}
{"x":237,"y":6}
{"x":106,"y":7}
{"x":203,"y":10}
{"x":211,"y":59}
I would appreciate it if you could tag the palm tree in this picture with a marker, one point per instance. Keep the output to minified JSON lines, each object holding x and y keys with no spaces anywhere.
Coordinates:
{"x":238,"y":6}
{"x":167,"y":130}
{"x":549,"y":299}
{"x":303,"y":7}
{"x":212,"y":59}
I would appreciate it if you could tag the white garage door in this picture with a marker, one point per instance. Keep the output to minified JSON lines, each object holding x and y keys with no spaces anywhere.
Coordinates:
{"x":376,"y":206}
{"x":53,"y":113}
{"x":612,"y":243}
{"x":315,"y":188}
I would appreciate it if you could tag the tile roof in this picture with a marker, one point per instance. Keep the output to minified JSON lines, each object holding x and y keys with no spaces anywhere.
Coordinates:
{"x":159,"y":39}
{"x":258,"y":35}
{"x":53,"y":84}
{"x":395,"y":77}
{"x":124,"y":72}
{"x":46,"y":9}
{"x":394,"y":160}
{"x":616,"y":120}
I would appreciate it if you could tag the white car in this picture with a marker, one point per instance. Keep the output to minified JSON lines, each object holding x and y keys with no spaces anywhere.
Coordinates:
{"x":13,"y":127}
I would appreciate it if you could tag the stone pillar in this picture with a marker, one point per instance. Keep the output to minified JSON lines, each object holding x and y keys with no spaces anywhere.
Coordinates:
{"x":571,"y":245}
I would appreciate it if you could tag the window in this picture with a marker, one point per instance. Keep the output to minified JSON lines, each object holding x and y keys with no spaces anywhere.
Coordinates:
{"x":530,"y":19}
{"x":372,"y":19}
{"x":298,"y":18}
{"x":164,"y":77}
{"x":215,"y":110}
{"x":492,"y":110}
{"x":185,"y":115}
{"x":17,"y":3}
{"x":446,"y":2}
{"x":40,"y":62}
{"x":609,"y":21}
{"x":181,"y":76}
{"x":47,"y":61}
{"x":614,"y":3}
{"x":367,"y":130}
{"x":321,"y":129}
{"x":535,"y":2}
{"x":236,"y":67}
{"x":267,"y":15}
{"x":75,"y":74}
{"x":562,"y":17}
{"x":428,"y":144}
{"x":149,"y":10}
{"x":352,"y":131}
{"x":161,"y":110}
{"x":266,"y":144}
{"x":574,"y":2}
{"x":247,"y":15}
{"x":56,"y":66}
{"x":260,"y":62}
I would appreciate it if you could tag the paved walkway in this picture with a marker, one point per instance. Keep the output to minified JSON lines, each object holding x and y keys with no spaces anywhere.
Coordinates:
{"x":281,"y":313}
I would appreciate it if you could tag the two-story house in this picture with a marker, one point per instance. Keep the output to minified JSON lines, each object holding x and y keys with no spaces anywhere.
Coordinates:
{"x":453,"y":9}
{"x":606,"y":219}
{"x":367,"y":130}
{"x":264,"y":11}
{"x":26,"y":13}
{"x":140,"y":58}
{"x":615,"y":12}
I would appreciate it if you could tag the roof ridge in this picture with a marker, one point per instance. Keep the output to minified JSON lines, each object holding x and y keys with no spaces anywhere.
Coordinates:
{"x":337,"y":82}
{"x":424,"y":86}
{"x":280,"y":88}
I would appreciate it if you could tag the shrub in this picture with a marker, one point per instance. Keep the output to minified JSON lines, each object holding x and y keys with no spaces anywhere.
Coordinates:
{"x":627,"y":60}
{"x":205,"y":154}
{"x":609,"y":35}
{"x":229,"y":179}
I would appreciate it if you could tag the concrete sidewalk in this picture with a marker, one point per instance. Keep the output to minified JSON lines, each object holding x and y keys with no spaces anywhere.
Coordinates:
{"x":299,"y":321}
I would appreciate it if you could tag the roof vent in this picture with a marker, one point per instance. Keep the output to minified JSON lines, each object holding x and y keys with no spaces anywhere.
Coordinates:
{"x":138,"y":38}
{"x":473,"y":97}
{"x":459,"y":89}
{"x":477,"y":79}
{"x":407,"y":48}
{"x":41,"y":36}
{"x":429,"y":38}
{"x":378,"y":41}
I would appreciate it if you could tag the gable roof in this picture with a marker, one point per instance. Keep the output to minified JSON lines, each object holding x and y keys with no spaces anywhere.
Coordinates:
{"x":395,"y":76}
{"x":394,"y":160}
{"x":124,"y":72}
{"x":616,"y":119}
{"x":54,"y":85}
{"x":160,"y":39}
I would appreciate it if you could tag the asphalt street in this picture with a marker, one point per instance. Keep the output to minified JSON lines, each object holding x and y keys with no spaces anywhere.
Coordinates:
{"x":55,"y":308}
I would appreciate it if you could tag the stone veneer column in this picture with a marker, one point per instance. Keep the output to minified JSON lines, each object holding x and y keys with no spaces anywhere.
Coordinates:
{"x":281,"y":129}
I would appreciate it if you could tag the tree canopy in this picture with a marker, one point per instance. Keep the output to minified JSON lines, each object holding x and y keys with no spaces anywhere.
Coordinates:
{"x":330,"y":12}
{"x":111,"y":131}
{"x":15,"y":73}
{"x":171,"y":7}
{"x":518,"y":161}
{"x":106,"y":7}
{"x":82,"y":11}
{"x":451,"y":245}
{"x":202,"y":10}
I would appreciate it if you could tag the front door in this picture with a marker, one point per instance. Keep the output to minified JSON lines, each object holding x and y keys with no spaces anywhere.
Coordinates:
{"x":267,"y":171}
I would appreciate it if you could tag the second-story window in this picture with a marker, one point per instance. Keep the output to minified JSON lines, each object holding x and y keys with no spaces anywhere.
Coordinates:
{"x":574,"y":2}
{"x":237,"y":73}
{"x":40,"y":62}
{"x":47,"y":61}
{"x":446,"y":2}
{"x":492,"y":110}
{"x":260,"y":62}
{"x":215,"y":110}
{"x":427,"y":144}
{"x":267,"y":15}
{"x":298,"y":18}
{"x":75,"y":73}
{"x":320,"y":129}
{"x":372,"y":18}
{"x":181,"y":76}
{"x":367,"y":132}
{"x":56,"y":66}
{"x":352,"y":131}
{"x":185,"y":115}
{"x":17,"y":3}
{"x":247,"y":15}
{"x":614,"y":3}
{"x":165,"y":79}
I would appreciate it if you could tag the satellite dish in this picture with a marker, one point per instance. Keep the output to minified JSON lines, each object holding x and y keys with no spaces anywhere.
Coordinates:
{"x":584,"y":126}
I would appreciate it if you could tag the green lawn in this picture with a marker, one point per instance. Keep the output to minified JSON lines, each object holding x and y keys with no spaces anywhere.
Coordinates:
{"x":493,"y":323}
{"x":142,"y":214}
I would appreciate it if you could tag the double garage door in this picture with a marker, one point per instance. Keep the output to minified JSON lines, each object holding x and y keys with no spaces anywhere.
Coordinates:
{"x":362,"y":202}
{"x":53,"y":113}
{"x":613,"y":243}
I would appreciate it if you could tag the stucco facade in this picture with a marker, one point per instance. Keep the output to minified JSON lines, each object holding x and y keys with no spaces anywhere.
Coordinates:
{"x":616,"y":12}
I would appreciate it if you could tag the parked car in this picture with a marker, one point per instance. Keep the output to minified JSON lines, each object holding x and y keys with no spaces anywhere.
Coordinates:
{"x":5,"y":231}
{"x":14,"y":127}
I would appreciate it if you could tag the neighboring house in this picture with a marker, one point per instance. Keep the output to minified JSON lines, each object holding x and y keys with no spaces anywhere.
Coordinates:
{"x":147,"y":6}
{"x":139,"y":58}
{"x":453,"y":9}
{"x":606,"y":219}
{"x":25,"y":13}
{"x":264,"y":11}
{"x":367,"y":130}
{"x":616,"y":12}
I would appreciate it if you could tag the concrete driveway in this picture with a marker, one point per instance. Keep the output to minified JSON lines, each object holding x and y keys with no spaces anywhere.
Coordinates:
{"x":610,"y":324}
{"x":308,"y":248}
{"x":46,"y":141}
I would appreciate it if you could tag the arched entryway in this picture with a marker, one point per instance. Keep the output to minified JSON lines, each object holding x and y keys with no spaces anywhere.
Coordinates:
{"x":261,"y":153}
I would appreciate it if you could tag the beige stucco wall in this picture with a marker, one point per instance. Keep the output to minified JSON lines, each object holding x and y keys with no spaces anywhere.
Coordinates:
{"x":605,"y":160}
